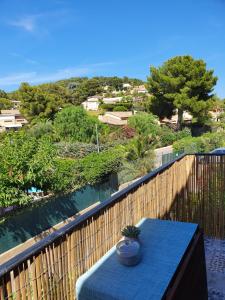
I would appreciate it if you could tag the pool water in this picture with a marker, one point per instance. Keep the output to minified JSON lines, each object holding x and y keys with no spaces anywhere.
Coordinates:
{"x":31,"y":221}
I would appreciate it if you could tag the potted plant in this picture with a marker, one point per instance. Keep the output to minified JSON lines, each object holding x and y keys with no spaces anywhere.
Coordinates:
{"x":130,"y":232}
{"x":129,"y":249}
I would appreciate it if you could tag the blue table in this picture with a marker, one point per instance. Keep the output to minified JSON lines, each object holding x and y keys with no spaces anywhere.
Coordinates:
{"x":164,"y":244}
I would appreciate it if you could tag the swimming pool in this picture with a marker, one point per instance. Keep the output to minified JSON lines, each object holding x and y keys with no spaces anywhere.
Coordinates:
{"x":31,"y":221}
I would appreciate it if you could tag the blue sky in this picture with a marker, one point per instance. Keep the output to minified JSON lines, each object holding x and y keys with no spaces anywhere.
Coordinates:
{"x":47,"y":40}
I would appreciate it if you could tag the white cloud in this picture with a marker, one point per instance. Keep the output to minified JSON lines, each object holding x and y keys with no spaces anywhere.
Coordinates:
{"x":25,"y":59}
{"x":34,"y":77}
{"x":28,"y":23}
{"x":33,"y":23}
{"x":13,"y":79}
{"x":60,"y":74}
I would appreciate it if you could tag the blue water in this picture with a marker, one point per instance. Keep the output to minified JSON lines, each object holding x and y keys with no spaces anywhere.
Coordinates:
{"x":31,"y":221}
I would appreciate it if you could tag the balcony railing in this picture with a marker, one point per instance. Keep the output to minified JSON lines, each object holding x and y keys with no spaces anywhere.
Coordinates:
{"x":190,"y":188}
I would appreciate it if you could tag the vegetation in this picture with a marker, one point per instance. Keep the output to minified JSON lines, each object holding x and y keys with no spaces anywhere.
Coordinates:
{"x":32,"y":162}
{"x":73,"y":124}
{"x":58,"y":151}
{"x":205,"y":143}
{"x":37,"y":103}
{"x":182,"y":83}
{"x":117,"y":107}
{"x":131,"y":231}
{"x":97,"y":166}
{"x":25,"y":162}
{"x":43,"y":101}
{"x":78,"y":149}
{"x":4,"y":100}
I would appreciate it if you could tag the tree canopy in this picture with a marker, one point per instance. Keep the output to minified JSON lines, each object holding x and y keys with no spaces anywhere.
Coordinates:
{"x":5,"y":103}
{"x":25,"y":162}
{"x":37,"y":103}
{"x":74,"y":124}
{"x":42,"y":102}
{"x":181,"y":83}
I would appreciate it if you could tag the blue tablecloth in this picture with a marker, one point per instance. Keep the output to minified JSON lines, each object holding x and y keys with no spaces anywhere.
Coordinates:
{"x":163,"y":246}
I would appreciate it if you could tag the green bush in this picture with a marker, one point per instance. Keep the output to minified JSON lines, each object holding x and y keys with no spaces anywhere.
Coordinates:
{"x":120,"y":108}
{"x":67,"y":176}
{"x":131,"y":170}
{"x":25,"y":162}
{"x":144,"y":124}
{"x":42,"y":128}
{"x":97,"y":166}
{"x":166,"y":136}
{"x":205,"y":143}
{"x":112,"y":107}
{"x":186,"y":132}
{"x":108,"y":107}
{"x":74,"y":124}
{"x":78,"y":150}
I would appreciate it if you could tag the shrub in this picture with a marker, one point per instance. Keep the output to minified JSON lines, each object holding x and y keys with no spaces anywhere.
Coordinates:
{"x":168,"y":136}
{"x":144,"y":124}
{"x":131,"y":170}
{"x":120,"y":108}
{"x":42,"y":128}
{"x":113,"y":107}
{"x":205,"y":143}
{"x":67,"y":176}
{"x":131,"y":231}
{"x":74,"y":124}
{"x":97,"y":166}
{"x":186,"y":132}
{"x":77,"y":150}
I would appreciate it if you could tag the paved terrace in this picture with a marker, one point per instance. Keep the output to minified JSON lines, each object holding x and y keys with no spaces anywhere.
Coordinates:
{"x":215,"y":264}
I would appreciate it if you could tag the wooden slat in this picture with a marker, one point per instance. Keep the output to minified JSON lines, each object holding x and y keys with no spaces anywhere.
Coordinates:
{"x":190,"y":189}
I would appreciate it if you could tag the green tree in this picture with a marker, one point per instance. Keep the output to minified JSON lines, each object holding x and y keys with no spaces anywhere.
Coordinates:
{"x":147,"y":129}
{"x":25,"y":162}
{"x":67,"y":176}
{"x":74,"y":124}
{"x":96,"y":166}
{"x":182,"y":83}
{"x":3,"y":94}
{"x":5,"y":103}
{"x":41,"y":129}
{"x":86,"y":89}
{"x":144,"y":124}
{"x":205,"y":143}
{"x":37,"y":103}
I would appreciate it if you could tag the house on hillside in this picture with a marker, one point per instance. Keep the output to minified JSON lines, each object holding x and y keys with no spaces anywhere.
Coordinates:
{"x":92,"y":103}
{"x":187,"y":118}
{"x":15,"y":104}
{"x":141,"y":89}
{"x":116,"y":92}
{"x":118,"y":118}
{"x":216,"y":114}
{"x":11,"y":119}
{"x":113,"y":100}
{"x":127,"y":86}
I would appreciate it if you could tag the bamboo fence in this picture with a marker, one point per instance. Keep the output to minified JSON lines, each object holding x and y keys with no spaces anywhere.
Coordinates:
{"x":190,"y":188}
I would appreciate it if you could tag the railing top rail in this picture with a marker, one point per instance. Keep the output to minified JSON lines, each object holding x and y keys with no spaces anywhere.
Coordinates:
{"x":208,"y":154}
{"x":53,"y":237}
